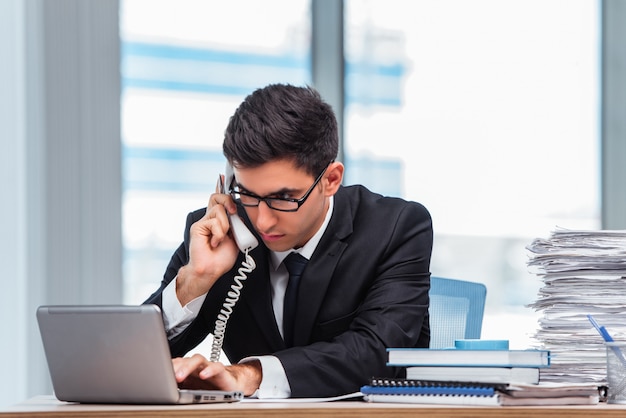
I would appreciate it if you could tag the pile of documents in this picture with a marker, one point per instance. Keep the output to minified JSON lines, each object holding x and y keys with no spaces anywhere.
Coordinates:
{"x":584,"y":272}
{"x":438,"y":377}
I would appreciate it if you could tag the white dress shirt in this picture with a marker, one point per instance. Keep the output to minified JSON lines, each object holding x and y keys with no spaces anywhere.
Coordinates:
{"x":274,"y":383}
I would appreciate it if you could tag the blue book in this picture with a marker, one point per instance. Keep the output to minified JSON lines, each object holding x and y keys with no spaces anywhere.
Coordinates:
{"x":422,"y":391}
{"x":404,"y":357}
{"x":528,"y":375}
{"x":467,"y":390}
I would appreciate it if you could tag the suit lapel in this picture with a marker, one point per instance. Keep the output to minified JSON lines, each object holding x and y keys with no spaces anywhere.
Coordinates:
{"x":314,"y":283}
{"x":319,"y":272}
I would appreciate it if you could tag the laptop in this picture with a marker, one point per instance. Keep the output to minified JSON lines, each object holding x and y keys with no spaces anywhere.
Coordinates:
{"x":114,"y":354}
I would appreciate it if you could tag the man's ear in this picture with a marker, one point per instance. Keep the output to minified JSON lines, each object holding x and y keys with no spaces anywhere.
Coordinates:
{"x":333,"y":177}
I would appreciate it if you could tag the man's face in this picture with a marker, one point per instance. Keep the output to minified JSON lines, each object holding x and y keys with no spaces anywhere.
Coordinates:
{"x":281,"y":231}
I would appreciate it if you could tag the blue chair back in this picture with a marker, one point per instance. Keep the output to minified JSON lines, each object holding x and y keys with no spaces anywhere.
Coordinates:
{"x":456,"y":310}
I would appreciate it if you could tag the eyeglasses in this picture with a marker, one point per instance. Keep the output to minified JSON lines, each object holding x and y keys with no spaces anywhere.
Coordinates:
{"x":281,"y":204}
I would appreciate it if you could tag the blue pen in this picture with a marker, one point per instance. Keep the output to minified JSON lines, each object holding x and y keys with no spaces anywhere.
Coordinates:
{"x":607,"y":338}
{"x":602,"y":330}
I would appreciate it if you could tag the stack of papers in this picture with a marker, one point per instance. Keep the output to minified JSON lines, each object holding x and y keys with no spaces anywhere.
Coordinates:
{"x":584,"y":272}
{"x":550,"y":394}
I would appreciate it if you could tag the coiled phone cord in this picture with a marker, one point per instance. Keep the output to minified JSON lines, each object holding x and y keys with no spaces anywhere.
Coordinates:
{"x":247,"y":266}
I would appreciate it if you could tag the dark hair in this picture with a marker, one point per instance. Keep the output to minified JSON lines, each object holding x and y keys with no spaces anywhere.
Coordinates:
{"x":282,"y":122}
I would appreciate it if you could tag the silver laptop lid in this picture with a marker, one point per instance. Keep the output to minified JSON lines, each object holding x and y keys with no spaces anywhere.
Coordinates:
{"x":108,"y":354}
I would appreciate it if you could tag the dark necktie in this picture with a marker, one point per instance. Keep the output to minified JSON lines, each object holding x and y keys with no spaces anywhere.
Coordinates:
{"x":295,"y":264}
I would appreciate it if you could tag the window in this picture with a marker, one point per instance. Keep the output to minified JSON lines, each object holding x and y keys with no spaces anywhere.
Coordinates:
{"x":186,"y":66}
{"x":484,"y":111}
{"x":488,"y":112}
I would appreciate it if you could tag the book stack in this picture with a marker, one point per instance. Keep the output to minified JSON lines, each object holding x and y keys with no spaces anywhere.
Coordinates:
{"x":483,"y":361}
{"x":583,"y":272}
{"x":474,"y":376}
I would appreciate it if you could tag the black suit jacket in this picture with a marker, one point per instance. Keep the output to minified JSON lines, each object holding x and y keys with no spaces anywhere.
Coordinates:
{"x":364,"y":289}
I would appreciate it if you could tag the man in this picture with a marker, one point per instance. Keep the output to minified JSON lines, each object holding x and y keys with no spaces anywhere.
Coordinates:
{"x":364,"y":288}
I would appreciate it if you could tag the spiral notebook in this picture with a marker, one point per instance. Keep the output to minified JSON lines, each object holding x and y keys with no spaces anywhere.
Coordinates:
{"x":431,"y":392}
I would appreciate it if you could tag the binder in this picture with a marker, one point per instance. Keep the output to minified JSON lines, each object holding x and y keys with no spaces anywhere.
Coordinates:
{"x":431,"y":392}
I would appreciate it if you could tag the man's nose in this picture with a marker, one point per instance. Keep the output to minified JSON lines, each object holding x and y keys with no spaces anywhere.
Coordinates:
{"x":266,"y":217}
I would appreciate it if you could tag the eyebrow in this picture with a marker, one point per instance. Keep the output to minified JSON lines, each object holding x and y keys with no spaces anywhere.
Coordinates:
{"x":277,"y":192}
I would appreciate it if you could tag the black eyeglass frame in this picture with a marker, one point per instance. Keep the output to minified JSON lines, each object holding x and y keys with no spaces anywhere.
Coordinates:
{"x":268,"y":200}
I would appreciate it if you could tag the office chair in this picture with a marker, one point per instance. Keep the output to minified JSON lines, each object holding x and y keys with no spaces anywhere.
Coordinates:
{"x":456,"y":310}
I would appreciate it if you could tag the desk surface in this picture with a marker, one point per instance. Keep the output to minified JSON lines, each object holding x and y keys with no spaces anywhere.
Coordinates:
{"x":48,"y":406}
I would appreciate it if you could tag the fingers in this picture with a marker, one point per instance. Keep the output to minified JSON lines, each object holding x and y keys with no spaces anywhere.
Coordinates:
{"x":212,"y":369}
{"x":215,"y":224}
{"x":224,"y":200}
{"x":185,"y":367}
{"x":196,"y":372}
{"x":220,"y":206}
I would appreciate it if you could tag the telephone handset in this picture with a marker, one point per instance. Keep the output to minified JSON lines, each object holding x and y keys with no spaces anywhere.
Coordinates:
{"x":243,"y":237}
{"x":246,"y":241}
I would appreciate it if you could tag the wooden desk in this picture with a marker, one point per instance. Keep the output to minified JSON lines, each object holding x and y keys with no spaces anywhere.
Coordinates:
{"x":48,"y":406}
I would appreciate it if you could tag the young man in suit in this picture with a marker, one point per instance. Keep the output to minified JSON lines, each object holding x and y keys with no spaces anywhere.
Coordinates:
{"x":364,"y":288}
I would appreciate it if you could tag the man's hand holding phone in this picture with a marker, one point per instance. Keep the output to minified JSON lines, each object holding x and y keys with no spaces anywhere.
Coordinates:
{"x":212,"y":249}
